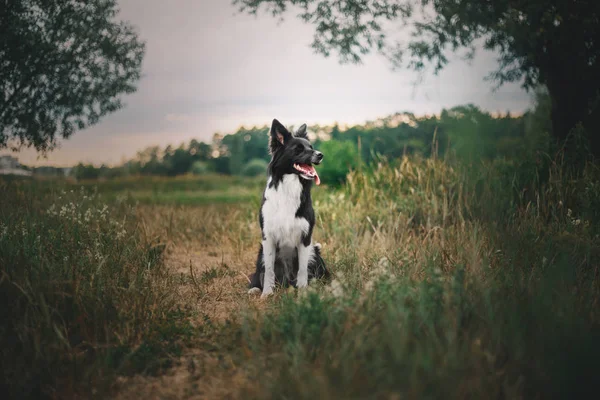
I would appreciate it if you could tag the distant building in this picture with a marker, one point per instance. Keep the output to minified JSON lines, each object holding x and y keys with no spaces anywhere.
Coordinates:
{"x":8,"y":162}
{"x":9,"y":165}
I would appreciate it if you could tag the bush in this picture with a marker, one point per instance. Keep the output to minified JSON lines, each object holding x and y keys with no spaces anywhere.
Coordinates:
{"x":255,"y":167}
{"x":339,"y":159}
{"x":200,"y":168}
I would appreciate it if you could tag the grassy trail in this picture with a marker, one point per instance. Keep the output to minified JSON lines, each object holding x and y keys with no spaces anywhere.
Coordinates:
{"x":213,"y":285}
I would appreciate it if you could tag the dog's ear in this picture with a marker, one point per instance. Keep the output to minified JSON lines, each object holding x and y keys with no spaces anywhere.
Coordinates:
{"x":279,"y":135}
{"x":301,"y":132}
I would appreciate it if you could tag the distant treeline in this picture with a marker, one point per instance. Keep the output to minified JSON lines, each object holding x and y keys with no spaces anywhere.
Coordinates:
{"x":465,"y":131}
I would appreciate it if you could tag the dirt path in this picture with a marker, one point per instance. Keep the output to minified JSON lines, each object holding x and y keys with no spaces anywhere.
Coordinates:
{"x":214,"y":284}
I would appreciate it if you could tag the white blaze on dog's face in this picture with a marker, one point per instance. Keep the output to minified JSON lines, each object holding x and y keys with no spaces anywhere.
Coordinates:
{"x":294,"y":154}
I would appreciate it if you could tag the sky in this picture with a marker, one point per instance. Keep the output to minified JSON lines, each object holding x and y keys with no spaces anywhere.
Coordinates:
{"x":211,"y":69}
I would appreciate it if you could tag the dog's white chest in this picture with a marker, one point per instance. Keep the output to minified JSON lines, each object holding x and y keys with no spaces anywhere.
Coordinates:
{"x":279,"y":212}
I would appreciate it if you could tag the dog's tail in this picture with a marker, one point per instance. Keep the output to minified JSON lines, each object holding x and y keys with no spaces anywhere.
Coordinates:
{"x":318,"y":269}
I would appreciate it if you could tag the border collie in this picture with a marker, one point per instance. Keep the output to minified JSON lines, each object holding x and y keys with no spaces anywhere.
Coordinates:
{"x":287,"y":255}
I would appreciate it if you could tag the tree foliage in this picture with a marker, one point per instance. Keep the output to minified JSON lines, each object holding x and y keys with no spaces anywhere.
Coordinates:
{"x":540,"y":42}
{"x":464,"y":131}
{"x":63,"y":66}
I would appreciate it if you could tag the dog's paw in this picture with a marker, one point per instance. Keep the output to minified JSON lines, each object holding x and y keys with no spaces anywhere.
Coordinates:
{"x":302,"y":283}
{"x":254,"y":291}
{"x":266,"y":294}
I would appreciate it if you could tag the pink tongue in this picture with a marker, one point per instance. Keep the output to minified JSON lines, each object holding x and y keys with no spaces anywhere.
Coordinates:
{"x":312,"y":169}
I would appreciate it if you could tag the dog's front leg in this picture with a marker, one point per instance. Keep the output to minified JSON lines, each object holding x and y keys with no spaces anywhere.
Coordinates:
{"x":304,"y":253}
{"x":269,"y":249}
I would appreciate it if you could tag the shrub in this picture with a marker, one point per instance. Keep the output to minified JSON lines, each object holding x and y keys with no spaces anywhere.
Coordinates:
{"x":255,"y":167}
{"x":339,"y":159}
{"x":200,"y":168}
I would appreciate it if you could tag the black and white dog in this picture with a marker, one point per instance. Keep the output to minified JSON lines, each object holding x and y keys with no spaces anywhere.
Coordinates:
{"x":287,"y":254}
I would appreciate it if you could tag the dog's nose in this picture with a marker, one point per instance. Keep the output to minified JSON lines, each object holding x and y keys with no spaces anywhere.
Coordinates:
{"x":318,"y":156}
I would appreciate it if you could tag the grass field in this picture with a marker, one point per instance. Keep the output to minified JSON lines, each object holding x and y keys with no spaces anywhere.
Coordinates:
{"x":451,"y":281}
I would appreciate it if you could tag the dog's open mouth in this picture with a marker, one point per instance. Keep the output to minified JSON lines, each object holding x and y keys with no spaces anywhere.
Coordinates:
{"x":308,"y":172}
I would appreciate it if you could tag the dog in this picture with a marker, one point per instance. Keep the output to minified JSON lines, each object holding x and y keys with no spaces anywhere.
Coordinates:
{"x":287,"y":255}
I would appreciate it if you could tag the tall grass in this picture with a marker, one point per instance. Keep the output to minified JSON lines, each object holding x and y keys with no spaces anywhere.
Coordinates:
{"x":452,"y":281}
{"x":84,"y":293}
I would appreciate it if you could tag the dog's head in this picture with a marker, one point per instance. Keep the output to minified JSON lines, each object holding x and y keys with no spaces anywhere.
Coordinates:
{"x":293,"y":153}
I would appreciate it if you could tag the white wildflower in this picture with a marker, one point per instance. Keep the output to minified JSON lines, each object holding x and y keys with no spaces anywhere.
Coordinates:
{"x":381,"y":269}
{"x":98,"y":250}
{"x":88,"y":215}
{"x":336,"y":288}
{"x":104,"y":212}
{"x":383,"y":262}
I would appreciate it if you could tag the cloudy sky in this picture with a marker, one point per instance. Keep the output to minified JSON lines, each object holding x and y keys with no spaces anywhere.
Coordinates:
{"x":209,"y":69}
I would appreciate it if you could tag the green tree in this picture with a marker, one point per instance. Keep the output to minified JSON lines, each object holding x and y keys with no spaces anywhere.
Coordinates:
{"x":178,"y":161}
{"x":85,"y":171}
{"x":149,"y":162}
{"x":236,"y":154}
{"x":540,"y":42}
{"x":64,"y":65}
{"x":199,"y":151}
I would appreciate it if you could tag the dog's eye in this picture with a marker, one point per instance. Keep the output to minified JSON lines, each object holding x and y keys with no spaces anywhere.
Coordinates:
{"x":299,"y":149}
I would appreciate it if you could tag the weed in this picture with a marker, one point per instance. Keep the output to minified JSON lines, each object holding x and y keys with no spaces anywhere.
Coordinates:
{"x":80,"y":289}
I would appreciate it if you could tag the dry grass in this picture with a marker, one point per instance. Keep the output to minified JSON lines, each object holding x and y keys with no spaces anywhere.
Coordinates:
{"x":418,"y":223}
{"x":211,"y":251}
{"x":448,"y":282}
